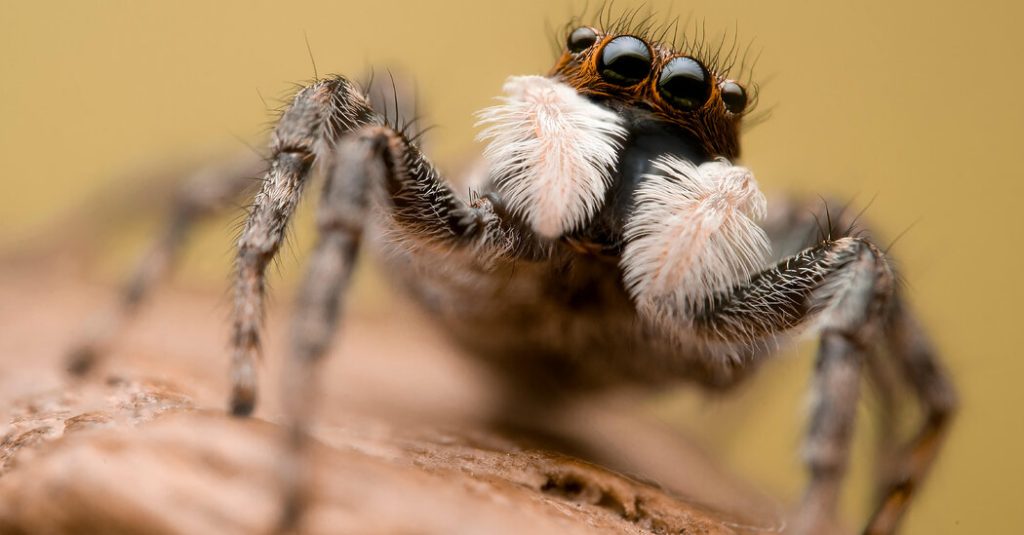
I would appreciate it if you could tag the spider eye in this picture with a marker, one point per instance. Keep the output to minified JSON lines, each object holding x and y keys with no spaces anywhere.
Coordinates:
{"x":685,"y":84}
{"x":581,"y":39}
{"x":734,"y":97}
{"x":625,"y":61}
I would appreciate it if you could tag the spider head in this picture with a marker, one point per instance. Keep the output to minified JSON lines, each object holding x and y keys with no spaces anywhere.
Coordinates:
{"x":624,"y":149}
{"x":656,"y":90}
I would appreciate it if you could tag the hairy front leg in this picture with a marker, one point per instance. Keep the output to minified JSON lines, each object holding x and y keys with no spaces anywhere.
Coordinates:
{"x":901,"y":359}
{"x":373,"y":166}
{"x":844,"y":289}
{"x":796,"y":222}
{"x":692,"y":265}
{"x":306,"y":133}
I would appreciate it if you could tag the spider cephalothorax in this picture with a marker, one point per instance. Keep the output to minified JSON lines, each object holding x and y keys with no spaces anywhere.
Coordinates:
{"x":656,"y":82}
{"x":624,"y":149}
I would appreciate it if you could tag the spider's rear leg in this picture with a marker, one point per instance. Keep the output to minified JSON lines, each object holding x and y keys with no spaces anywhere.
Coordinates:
{"x":211,"y":190}
{"x":372,"y":164}
{"x":918,"y":365}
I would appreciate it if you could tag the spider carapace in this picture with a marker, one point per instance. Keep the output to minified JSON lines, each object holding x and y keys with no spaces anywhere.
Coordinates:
{"x":673,"y":88}
{"x":608,"y":237}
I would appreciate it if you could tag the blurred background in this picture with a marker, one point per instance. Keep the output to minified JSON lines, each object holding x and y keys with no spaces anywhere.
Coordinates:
{"x":912,"y":104}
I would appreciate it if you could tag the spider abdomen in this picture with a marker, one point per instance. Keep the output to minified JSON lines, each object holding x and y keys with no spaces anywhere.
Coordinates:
{"x":568,"y":317}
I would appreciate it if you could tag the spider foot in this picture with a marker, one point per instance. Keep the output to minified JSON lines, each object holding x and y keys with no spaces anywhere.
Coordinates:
{"x":243,"y":396}
{"x":82,"y":360}
{"x":479,"y":215}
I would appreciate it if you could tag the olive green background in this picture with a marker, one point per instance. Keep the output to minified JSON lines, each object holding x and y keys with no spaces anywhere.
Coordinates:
{"x":914,"y":104}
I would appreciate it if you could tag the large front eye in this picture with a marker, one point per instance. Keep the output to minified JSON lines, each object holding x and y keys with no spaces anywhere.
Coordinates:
{"x":581,"y":39}
{"x":625,"y":61}
{"x":685,"y":84}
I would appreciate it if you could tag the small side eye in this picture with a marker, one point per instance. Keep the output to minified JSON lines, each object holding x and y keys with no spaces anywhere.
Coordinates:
{"x":625,"y":61}
{"x":685,"y":83}
{"x":581,"y":39}
{"x":734,"y":97}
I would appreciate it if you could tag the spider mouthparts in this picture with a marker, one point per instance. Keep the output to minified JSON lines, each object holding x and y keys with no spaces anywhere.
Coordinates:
{"x":642,"y":149}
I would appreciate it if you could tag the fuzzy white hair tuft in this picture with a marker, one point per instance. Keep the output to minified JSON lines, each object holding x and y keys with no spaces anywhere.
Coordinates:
{"x":692,"y":235}
{"x":552,"y":152}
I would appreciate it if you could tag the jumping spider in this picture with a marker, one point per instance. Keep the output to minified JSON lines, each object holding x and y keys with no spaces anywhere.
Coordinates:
{"x":609,"y":239}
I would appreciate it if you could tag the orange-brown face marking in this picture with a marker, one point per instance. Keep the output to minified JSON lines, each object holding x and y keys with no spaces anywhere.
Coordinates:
{"x":670,"y":90}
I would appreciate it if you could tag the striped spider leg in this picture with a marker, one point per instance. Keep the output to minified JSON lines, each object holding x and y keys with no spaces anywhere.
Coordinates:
{"x":370,"y":168}
{"x":844,"y":288}
{"x":890,"y":347}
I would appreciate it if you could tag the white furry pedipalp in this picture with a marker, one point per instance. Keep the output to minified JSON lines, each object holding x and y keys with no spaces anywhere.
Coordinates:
{"x":691,"y":235}
{"x":552,"y":152}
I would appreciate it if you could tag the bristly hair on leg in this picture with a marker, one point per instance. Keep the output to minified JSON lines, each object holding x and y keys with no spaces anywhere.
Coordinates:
{"x":309,"y":49}
{"x":398,"y":104}
{"x":853,"y":227}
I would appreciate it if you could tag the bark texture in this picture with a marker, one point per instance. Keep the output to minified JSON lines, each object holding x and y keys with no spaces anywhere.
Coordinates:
{"x":145,"y":446}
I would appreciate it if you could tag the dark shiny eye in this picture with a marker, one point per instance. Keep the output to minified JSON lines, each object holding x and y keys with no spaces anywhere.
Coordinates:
{"x":734,"y":97}
{"x":625,"y":61}
{"x":581,"y":39}
{"x":685,"y":84}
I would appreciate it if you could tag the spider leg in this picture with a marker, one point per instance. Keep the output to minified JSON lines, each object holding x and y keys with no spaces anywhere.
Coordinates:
{"x":841,"y":287}
{"x":918,"y":365}
{"x":340,"y":220}
{"x":305,"y":136}
{"x":210,"y":191}
{"x":372,"y":163}
{"x":318,"y":116}
{"x":909,"y":360}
